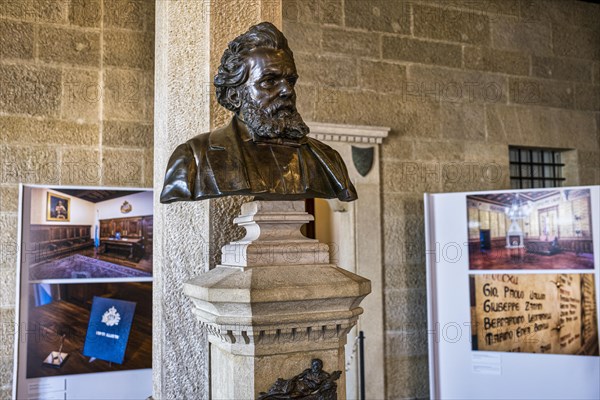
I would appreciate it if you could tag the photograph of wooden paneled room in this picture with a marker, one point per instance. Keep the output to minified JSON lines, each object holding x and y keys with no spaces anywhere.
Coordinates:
{"x":108,"y":233}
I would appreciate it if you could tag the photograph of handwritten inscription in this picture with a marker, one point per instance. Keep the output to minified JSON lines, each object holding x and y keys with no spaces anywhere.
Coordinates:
{"x":547,"y":229}
{"x":534,"y":313}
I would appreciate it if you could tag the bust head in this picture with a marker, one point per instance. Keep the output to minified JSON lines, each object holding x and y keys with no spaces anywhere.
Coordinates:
{"x":256,"y":80}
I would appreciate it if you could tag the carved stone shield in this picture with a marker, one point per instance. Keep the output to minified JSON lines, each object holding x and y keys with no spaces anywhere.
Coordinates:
{"x":363,"y":159}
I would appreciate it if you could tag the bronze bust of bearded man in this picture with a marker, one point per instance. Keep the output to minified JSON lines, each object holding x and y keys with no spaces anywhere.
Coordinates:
{"x":264,"y":151}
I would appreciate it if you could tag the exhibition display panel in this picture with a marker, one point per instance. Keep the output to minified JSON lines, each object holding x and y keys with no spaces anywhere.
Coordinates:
{"x":512,"y":282}
{"x":84,"y":314}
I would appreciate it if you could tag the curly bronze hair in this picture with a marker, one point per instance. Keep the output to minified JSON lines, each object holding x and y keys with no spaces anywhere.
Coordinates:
{"x":233,"y":71}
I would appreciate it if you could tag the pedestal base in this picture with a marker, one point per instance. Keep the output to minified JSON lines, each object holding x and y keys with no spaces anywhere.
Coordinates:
{"x":245,"y":377}
{"x":268,"y":320}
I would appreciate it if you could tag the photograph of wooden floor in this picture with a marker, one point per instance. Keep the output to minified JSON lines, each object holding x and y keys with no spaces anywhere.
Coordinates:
{"x":68,"y":313}
{"x":504,"y":258}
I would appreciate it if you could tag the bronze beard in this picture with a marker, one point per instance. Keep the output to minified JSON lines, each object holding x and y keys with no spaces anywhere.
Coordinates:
{"x":280,"y":119}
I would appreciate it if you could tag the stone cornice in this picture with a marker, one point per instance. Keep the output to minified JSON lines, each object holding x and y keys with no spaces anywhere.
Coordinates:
{"x":348,"y":133}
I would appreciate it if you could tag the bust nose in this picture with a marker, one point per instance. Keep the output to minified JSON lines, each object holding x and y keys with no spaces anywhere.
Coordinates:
{"x":285,"y":89}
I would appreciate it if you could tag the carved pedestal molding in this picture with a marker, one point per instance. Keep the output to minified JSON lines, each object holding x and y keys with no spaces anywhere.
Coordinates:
{"x":275,"y":303}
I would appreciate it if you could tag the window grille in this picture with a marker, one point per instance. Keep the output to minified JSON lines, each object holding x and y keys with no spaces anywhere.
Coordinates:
{"x":535,"y":168}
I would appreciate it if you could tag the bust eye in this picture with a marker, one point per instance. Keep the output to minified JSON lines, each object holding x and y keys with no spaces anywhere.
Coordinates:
{"x":292,"y":81}
{"x":268,"y":82}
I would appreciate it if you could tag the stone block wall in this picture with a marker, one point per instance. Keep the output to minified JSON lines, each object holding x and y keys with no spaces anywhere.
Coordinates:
{"x":76,"y":108}
{"x":458,"y":82}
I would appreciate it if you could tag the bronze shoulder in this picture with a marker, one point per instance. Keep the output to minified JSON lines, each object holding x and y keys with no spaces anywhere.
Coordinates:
{"x":335,"y":169}
{"x":180,"y":174}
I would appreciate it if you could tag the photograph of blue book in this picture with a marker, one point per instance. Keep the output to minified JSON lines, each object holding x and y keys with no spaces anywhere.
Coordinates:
{"x":108,"y":329}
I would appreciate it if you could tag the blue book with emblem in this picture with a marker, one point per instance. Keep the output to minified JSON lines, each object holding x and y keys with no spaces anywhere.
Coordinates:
{"x":108,"y":329}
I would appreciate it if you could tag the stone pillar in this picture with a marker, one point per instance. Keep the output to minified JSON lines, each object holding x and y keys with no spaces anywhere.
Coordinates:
{"x":181,"y":111}
{"x":190,"y":39}
{"x":274,"y":303}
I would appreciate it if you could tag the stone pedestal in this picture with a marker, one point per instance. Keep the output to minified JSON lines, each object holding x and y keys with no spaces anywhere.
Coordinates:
{"x":274,"y":303}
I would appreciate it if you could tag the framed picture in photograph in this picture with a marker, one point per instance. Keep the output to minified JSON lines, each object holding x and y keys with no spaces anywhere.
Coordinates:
{"x":59,"y":208}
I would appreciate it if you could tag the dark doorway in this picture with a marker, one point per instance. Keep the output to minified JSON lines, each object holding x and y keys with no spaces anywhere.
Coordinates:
{"x":485,"y":239}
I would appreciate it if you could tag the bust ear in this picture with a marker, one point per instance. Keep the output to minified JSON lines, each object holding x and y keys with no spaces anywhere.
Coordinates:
{"x":234,"y":98}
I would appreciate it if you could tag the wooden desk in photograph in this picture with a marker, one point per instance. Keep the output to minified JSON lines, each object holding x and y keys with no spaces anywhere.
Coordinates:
{"x":123,"y":246}
{"x":136,"y":237}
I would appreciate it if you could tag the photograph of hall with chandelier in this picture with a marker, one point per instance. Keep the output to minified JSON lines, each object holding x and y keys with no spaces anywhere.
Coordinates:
{"x":545,"y":229}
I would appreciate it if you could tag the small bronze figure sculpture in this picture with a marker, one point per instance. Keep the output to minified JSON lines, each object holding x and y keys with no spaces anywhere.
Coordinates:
{"x":312,"y":384}
{"x":264,"y":151}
